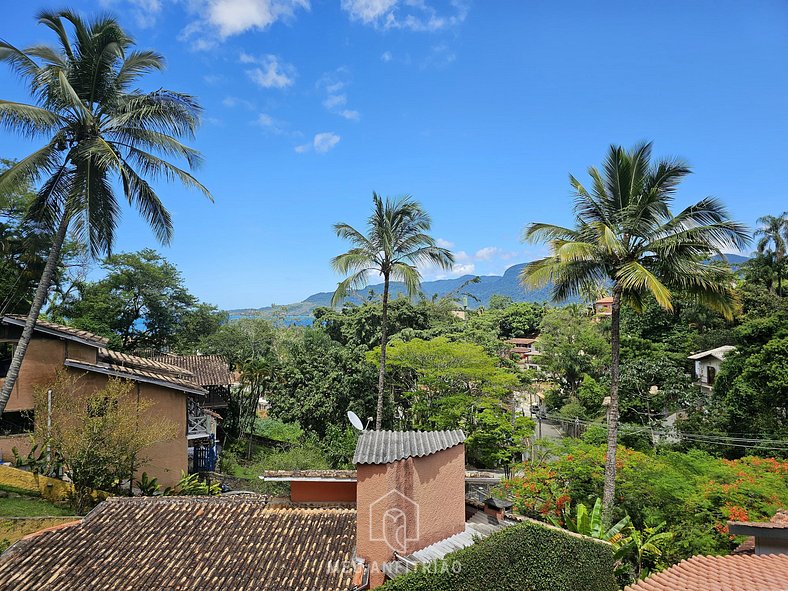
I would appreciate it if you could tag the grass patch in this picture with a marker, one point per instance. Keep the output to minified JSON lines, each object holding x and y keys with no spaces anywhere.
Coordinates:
{"x":30,"y":507}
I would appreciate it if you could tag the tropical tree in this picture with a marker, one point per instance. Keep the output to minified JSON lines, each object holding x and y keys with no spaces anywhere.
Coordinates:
{"x":773,"y":231}
{"x":100,"y":129}
{"x":626,"y":235}
{"x":590,"y":523}
{"x":395,"y":243}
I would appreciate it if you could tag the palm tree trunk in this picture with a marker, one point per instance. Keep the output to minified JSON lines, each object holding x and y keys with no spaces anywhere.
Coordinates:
{"x":35,"y":310}
{"x":383,"y":338}
{"x":608,"y":494}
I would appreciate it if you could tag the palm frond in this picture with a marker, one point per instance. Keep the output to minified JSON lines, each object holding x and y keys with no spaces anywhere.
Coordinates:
{"x":409,"y":275}
{"x":142,"y":196}
{"x":29,"y":120}
{"x":634,"y":277}
{"x":538,"y":232}
{"x":356,"y":281}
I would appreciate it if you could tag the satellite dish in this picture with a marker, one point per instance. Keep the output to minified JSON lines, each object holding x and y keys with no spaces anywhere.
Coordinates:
{"x":355,"y":421}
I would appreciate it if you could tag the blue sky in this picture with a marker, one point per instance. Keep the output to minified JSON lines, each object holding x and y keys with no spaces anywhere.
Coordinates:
{"x":477,"y":109}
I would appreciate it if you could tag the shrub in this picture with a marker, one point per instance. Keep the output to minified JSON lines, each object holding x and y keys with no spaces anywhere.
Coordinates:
{"x":694,"y":493}
{"x":527,"y":556}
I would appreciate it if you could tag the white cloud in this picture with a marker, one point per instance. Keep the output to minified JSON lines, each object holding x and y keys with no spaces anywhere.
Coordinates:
{"x":350,"y":114}
{"x":335,"y":100}
{"x":386,"y":56}
{"x":334,"y":84}
{"x":444,"y":243}
{"x":321,"y":143}
{"x":232,"y":17}
{"x":486,"y":253}
{"x":461,"y":255}
{"x":270,"y":71}
{"x":145,"y":12}
{"x":466,"y":269}
{"x":270,"y":124}
{"x":233,"y":101}
{"x":414,"y":15}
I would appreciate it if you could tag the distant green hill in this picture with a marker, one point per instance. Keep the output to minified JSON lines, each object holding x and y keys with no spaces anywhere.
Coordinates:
{"x":507,"y":284}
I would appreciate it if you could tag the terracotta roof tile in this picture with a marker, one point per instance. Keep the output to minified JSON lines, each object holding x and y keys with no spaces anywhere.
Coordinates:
{"x":208,"y":370}
{"x":62,"y":330}
{"x":189,"y":544}
{"x":721,"y":573}
{"x":137,"y":374}
{"x":119,"y":358}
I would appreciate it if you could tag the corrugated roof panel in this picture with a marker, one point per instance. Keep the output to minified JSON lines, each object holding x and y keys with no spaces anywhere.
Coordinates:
{"x":384,"y":447}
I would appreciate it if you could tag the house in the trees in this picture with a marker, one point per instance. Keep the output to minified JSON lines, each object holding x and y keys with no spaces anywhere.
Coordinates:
{"x":603,"y":307}
{"x":173,"y":391}
{"x":525,"y":352}
{"x":213,"y":373}
{"x":707,"y":365}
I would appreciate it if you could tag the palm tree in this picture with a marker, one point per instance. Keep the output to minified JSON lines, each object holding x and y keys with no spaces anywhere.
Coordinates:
{"x":395,"y":244}
{"x":626,"y":235}
{"x":774,"y":231}
{"x":100,"y":129}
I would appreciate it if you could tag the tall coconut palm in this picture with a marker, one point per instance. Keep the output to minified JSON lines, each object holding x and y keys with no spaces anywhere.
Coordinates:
{"x":101,"y":132}
{"x":395,"y":243}
{"x":626,"y":235}
{"x":773,"y":232}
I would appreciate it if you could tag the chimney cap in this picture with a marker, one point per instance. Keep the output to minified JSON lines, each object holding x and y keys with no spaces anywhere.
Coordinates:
{"x":498,"y":504}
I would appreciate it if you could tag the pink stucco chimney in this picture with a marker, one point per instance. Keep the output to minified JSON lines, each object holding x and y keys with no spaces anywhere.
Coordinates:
{"x":410,"y":493}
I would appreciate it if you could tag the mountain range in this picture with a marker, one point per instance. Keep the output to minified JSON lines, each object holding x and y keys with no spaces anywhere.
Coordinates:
{"x":476,"y":291}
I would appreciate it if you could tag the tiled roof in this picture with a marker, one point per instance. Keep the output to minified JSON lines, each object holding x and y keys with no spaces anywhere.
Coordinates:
{"x":144,"y":363}
{"x":208,"y":370}
{"x":61,"y":330}
{"x":779,"y":521}
{"x":721,"y":573}
{"x":384,"y":447}
{"x":138,"y":373}
{"x":188,"y":544}
{"x":718,"y":352}
{"x":309,"y":475}
{"x":521,"y":341}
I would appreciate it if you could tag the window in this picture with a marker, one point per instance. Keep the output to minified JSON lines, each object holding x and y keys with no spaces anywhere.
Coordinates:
{"x":711,"y":373}
{"x":6,"y":353}
{"x":16,"y":422}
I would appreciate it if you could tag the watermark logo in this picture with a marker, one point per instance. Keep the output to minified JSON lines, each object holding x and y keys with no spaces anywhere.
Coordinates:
{"x":394,"y":519}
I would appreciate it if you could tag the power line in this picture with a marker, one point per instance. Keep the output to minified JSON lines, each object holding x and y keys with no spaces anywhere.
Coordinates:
{"x":745,"y":442}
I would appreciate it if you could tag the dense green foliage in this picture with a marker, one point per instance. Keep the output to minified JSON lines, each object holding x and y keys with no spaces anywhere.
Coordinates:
{"x":695,"y":493}
{"x":141,"y":303}
{"x":525,"y":556}
{"x":440,"y":384}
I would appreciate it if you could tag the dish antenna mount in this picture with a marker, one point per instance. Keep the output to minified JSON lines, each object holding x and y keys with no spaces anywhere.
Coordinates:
{"x":355,"y":421}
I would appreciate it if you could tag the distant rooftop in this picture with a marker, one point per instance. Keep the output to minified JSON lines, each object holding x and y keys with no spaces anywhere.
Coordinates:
{"x":384,"y":447}
{"x":718,"y":352}
{"x":208,"y":370}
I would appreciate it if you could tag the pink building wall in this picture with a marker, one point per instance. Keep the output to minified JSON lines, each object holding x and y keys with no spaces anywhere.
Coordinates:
{"x":408,"y":505}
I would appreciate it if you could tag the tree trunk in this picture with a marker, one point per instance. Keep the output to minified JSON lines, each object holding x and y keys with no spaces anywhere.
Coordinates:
{"x":383,"y":338}
{"x":608,"y":495}
{"x":35,"y":310}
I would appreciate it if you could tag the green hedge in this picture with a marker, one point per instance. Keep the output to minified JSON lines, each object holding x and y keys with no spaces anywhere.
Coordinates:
{"x":524,"y":557}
